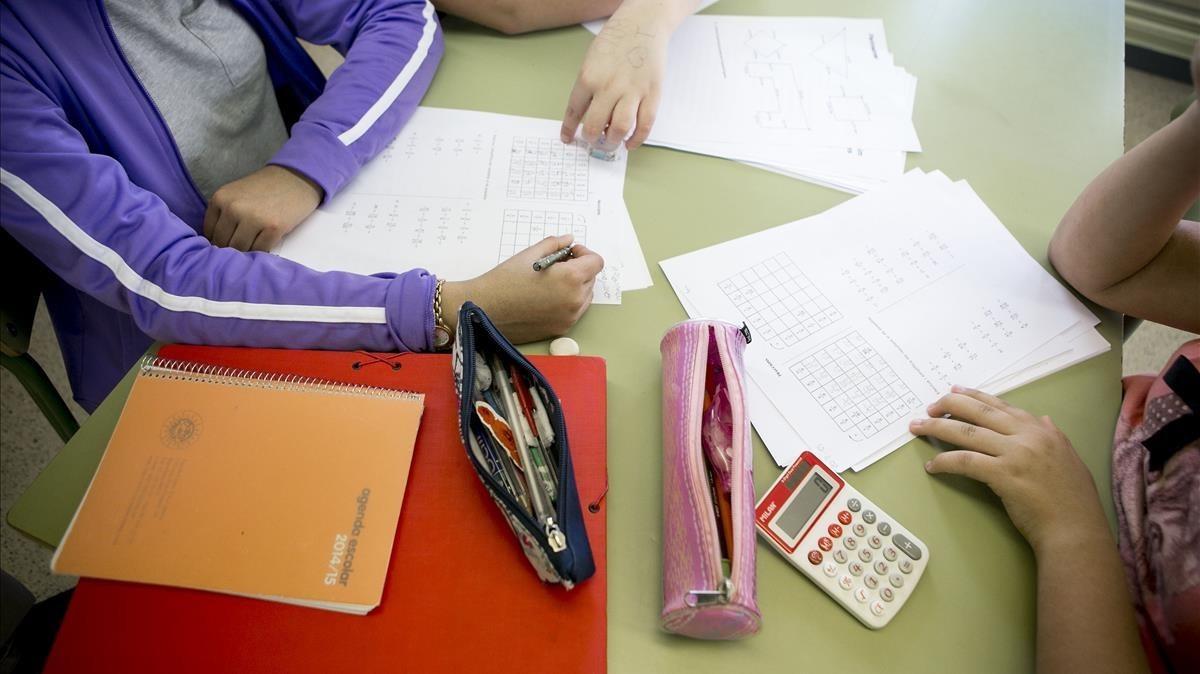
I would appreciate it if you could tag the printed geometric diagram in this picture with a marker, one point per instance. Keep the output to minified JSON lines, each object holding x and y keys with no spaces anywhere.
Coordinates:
{"x":855,"y":386}
{"x":779,"y":302}
{"x":546,"y":168}
{"x":522,"y":228}
{"x":765,"y":45}
{"x":780,"y":100}
{"x":849,"y":108}
{"x":832,"y":53}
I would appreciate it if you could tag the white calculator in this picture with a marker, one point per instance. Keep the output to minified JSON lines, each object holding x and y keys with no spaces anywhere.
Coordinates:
{"x":847,"y":545}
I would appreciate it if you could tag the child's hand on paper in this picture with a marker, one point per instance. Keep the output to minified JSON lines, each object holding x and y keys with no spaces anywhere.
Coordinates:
{"x":528,"y":305}
{"x":255,"y":212}
{"x":618,"y":86}
{"x":1046,"y":489}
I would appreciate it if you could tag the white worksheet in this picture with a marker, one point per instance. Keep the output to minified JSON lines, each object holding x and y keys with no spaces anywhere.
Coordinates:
{"x":864,"y":314}
{"x":784,"y":81}
{"x":459,"y":191}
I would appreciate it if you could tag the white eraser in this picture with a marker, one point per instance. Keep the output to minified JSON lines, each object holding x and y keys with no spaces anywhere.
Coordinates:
{"x":564,"y":346}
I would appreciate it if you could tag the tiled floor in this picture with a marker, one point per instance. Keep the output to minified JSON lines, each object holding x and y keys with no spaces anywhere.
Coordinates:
{"x":27,"y":442}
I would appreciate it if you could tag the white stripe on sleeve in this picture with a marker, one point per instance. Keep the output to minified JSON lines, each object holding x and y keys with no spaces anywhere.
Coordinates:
{"x":397,"y":86}
{"x":142,"y":287}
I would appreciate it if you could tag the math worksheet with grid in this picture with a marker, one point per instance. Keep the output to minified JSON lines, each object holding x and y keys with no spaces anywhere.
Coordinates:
{"x":459,"y":191}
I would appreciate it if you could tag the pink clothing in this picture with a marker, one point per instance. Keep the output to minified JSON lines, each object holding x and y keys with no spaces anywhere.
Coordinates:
{"x":1156,"y":493}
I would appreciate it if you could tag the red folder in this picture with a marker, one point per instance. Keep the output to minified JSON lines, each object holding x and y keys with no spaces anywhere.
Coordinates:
{"x":460,"y":595}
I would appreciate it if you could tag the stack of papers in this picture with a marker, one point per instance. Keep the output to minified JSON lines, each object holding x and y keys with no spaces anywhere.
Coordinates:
{"x":864,"y":314}
{"x":457,"y":192}
{"x":819,"y":99}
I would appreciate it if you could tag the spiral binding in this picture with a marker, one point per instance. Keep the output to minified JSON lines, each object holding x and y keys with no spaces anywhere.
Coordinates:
{"x":182,"y":370}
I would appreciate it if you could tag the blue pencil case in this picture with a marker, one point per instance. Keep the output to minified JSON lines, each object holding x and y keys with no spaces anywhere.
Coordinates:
{"x":515,"y":436}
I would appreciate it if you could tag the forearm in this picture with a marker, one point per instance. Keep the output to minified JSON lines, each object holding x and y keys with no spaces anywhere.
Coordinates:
{"x":392,"y":48}
{"x":523,"y":16}
{"x":1125,"y":217}
{"x":1085,"y":620}
{"x":652,"y":16}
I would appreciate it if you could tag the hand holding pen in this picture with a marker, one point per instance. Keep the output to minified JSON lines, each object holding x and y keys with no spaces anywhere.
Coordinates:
{"x":528,"y":305}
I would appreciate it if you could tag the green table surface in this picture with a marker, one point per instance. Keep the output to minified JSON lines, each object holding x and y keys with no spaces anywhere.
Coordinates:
{"x":1023,"y":98}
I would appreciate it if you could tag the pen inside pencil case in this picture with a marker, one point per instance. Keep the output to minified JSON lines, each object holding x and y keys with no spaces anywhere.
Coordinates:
{"x":518,"y":446}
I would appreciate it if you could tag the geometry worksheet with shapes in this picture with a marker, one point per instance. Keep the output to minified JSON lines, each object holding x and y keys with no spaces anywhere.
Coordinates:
{"x":864,"y":314}
{"x":786,"y":81}
{"x":458,"y":192}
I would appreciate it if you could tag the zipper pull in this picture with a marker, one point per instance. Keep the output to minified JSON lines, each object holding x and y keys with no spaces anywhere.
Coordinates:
{"x":745,"y":330}
{"x":555,"y":536}
{"x":711,"y":597}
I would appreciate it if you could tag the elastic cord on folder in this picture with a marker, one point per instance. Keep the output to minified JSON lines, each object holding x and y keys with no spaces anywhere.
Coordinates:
{"x":391,"y":361}
{"x":594,"y":506}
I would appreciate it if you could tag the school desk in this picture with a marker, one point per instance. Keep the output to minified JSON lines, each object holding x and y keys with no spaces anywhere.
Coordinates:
{"x":1024,"y":99}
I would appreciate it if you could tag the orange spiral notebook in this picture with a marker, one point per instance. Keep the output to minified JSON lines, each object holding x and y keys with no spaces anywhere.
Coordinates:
{"x":459,"y":594}
{"x":247,"y":483}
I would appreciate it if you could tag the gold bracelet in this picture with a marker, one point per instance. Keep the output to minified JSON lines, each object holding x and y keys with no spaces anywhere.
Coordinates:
{"x":441,"y":331}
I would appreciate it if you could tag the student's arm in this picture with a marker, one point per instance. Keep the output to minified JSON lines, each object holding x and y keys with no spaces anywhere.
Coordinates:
{"x":522,"y":16}
{"x":392,"y":48}
{"x":1123,"y":243}
{"x":79,"y":214}
{"x":1085,"y":619}
{"x":620,"y":81}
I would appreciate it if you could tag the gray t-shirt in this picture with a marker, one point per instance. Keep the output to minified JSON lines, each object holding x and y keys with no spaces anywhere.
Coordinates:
{"x":204,"y":67}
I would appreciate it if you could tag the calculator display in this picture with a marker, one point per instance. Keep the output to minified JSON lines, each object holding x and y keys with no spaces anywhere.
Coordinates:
{"x":803,"y":506}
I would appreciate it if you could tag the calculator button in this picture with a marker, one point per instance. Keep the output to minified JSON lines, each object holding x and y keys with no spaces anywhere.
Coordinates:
{"x":896,"y":580}
{"x":860,"y":530}
{"x":845,"y":517}
{"x":881,"y":567}
{"x":835,"y":530}
{"x":856,"y":569}
{"x":861,"y":595}
{"x":825,"y":543}
{"x":885,"y":529}
{"x":830,"y":569}
{"x":875,"y":541}
{"x":854,"y":505}
{"x":887,"y":594}
{"x":815,"y":557}
{"x":877,"y":608}
{"x":871,"y":582}
{"x":845,"y":582}
{"x":839,"y":556}
{"x":850,"y":543}
{"x":869,"y":516}
{"x":865,"y":554}
{"x":906,"y":546}
{"x":906,"y":566}
{"x":889,"y":553}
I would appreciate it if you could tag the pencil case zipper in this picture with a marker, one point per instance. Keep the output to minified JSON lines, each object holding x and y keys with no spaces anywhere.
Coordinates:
{"x":727,"y":478}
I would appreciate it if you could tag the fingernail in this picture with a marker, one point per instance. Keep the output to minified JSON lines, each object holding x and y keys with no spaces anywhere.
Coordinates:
{"x":929,"y":409}
{"x":928,"y":465}
{"x":915,"y":423}
{"x":958,"y":389}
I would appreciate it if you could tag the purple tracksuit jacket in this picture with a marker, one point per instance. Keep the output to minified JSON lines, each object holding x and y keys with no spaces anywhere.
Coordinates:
{"x":92,"y":184}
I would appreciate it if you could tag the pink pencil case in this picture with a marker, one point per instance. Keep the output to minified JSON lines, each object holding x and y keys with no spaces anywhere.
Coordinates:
{"x":708,"y":589}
